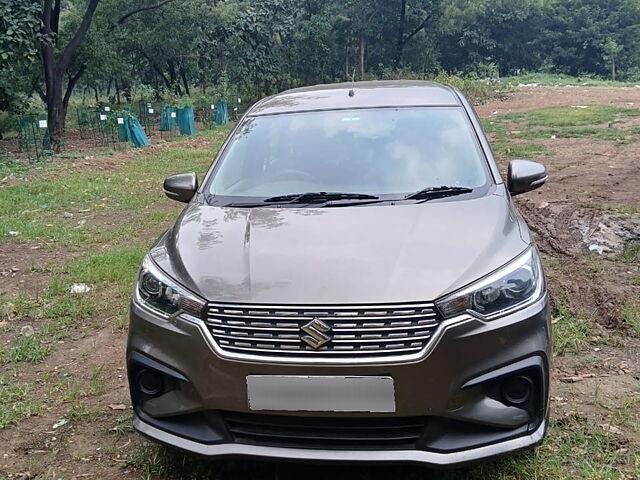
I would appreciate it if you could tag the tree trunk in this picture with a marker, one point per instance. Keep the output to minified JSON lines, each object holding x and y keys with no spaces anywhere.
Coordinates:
{"x":613,"y":69}
{"x":363,"y":53}
{"x":346,"y":62}
{"x":400,"y":38}
{"x":173,"y":78}
{"x":55,"y":113}
{"x":403,"y":39}
{"x":55,"y":68}
{"x":157,"y":94}
{"x":117,"y":92}
{"x":71,"y":83}
{"x":183,"y":75}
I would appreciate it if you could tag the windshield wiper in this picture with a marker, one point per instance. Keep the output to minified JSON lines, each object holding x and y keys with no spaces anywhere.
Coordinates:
{"x":318,"y":197}
{"x":430,"y":193}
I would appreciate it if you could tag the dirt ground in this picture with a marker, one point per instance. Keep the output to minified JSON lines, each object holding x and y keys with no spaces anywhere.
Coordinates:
{"x":573,"y":218}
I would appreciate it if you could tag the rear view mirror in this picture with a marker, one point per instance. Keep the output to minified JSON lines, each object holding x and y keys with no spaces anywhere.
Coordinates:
{"x":181,"y":186}
{"x":525,"y":175}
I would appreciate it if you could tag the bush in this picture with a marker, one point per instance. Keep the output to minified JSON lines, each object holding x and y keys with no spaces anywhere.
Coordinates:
{"x":471,"y":86}
{"x":476,"y":90}
{"x":8,"y":123}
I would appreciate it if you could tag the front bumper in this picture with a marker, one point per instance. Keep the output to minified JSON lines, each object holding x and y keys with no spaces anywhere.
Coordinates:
{"x":437,"y":459}
{"x":465,"y":362}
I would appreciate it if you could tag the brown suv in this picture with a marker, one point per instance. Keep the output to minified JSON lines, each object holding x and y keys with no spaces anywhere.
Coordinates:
{"x":350,"y":282}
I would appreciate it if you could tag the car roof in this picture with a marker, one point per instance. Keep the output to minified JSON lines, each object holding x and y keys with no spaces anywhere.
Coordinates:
{"x":374,"y":94}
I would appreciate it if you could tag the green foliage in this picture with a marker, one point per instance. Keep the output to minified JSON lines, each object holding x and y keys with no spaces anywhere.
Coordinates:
{"x":7,"y":123}
{"x":20,"y":39}
{"x":194,"y":52}
{"x":611,"y":49}
{"x":470,"y":85}
{"x":20,"y":35}
{"x":574,"y":35}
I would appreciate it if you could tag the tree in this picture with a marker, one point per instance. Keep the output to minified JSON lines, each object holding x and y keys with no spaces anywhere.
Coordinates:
{"x":610,"y":52}
{"x":55,"y":66}
{"x":479,"y":35}
{"x":58,"y":58}
{"x":573,"y":32}
{"x":425,"y":12}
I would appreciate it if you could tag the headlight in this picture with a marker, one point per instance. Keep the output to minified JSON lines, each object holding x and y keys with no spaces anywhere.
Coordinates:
{"x":518,"y":283}
{"x":158,"y":291}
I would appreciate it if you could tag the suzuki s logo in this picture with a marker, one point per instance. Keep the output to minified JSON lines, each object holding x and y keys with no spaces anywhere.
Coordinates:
{"x":315,"y":333}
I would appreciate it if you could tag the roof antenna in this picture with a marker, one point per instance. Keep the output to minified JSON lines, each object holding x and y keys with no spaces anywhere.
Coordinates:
{"x":352,"y":91}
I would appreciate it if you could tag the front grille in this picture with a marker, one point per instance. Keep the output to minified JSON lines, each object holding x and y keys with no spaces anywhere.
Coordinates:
{"x":372,"y":330}
{"x":326,"y":432}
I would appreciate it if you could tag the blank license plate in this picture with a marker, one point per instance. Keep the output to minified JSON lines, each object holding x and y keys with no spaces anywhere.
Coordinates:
{"x":321,"y":394}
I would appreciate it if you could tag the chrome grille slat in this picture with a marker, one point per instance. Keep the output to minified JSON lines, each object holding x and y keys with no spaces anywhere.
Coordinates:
{"x":371,"y":331}
{"x":334,"y":327}
{"x":306,"y":318}
{"x":311,"y":353}
{"x":335,"y":340}
{"x":308,"y":308}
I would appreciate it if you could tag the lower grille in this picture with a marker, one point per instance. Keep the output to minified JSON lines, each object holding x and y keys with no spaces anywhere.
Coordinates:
{"x":320,"y":432}
{"x":382,"y":330}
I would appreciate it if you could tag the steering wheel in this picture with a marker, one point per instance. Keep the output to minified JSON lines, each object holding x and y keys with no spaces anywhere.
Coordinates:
{"x":290,"y":174}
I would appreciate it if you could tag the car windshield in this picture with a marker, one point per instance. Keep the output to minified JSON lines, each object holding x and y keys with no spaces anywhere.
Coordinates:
{"x":384,"y":151}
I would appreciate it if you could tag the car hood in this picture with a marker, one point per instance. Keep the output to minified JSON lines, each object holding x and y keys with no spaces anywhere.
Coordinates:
{"x":366,"y":254}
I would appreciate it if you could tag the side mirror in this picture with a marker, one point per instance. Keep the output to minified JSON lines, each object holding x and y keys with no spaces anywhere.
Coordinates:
{"x":181,"y":186}
{"x":525,"y":175}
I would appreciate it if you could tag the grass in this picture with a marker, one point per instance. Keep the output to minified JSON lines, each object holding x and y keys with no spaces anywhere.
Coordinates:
{"x":13,"y":167}
{"x":627,"y":412}
{"x":511,"y":133}
{"x":549,"y":79}
{"x":122,"y":425}
{"x":112,"y":267}
{"x":624,"y":209}
{"x":631,"y":252}
{"x":25,"y":349}
{"x":109,"y":273}
{"x":572,"y":116}
{"x":35,"y":209}
{"x":17,"y":401}
{"x":561,"y":118}
{"x":68,"y":388}
{"x":631,"y":319}
{"x":128,"y":194}
{"x":570,"y":332}
{"x":519,"y":150}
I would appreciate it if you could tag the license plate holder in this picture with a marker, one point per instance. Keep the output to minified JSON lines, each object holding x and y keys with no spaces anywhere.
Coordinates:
{"x":299,"y":393}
